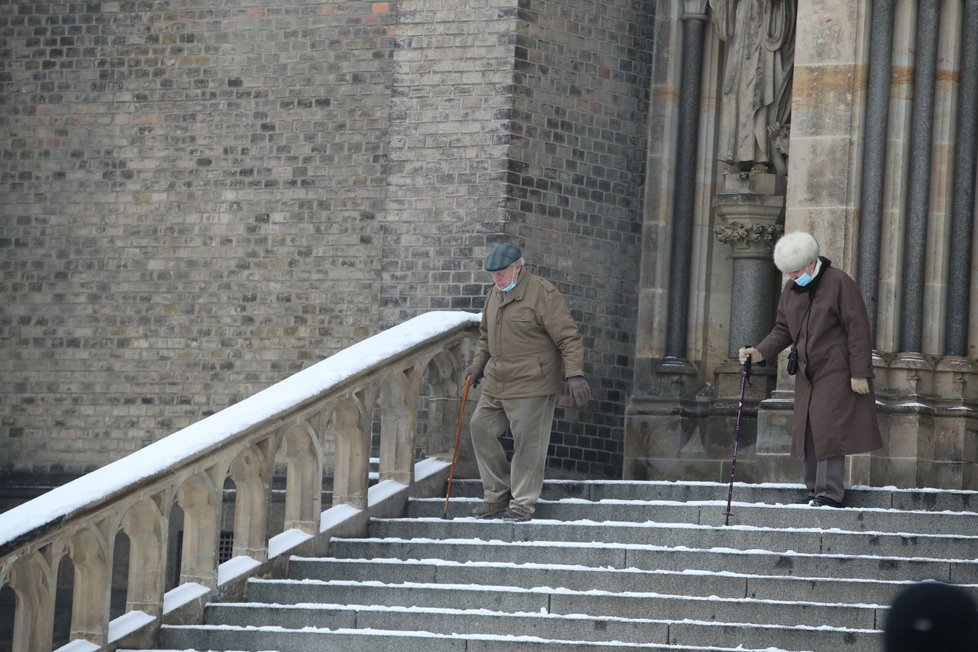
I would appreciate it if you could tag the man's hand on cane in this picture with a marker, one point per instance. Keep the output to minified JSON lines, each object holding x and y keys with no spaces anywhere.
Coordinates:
{"x":475,"y":373}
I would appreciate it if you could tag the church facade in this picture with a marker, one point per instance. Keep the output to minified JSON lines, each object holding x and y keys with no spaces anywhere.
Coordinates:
{"x":199,"y":202}
{"x":879,"y":149}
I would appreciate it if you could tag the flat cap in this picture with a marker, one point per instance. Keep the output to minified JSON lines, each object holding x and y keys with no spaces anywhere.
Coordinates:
{"x":502,"y":256}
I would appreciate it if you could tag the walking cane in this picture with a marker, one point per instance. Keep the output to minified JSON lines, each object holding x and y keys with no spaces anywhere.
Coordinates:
{"x":458,"y":432}
{"x":744,"y":379}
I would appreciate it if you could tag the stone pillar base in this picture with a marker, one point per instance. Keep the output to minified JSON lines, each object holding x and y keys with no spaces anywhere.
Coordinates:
{"x":929,"y":423}
{"x":774,"y":439}
{"x":664,"y":441}
{"x":722,"y":416}
{"x":908,"y":429}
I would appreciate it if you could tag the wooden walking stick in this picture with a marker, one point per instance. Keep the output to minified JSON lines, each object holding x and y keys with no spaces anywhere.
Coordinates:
{"x":458,"y":432}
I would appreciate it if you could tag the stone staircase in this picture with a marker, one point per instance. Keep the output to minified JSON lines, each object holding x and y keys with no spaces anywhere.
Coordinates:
{"x":611,"y":566}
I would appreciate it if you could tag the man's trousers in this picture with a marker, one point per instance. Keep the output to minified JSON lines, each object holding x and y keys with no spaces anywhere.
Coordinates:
{"x":530,"y":421}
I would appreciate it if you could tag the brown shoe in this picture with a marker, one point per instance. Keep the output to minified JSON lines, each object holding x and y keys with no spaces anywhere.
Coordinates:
{"x":488,"y":510}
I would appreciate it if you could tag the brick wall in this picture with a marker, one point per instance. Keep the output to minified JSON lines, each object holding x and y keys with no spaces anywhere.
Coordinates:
{"x":198,"y":202}
{"x":190,"y":212}
{"x":577,"y":171}
{"x":450,"y":106}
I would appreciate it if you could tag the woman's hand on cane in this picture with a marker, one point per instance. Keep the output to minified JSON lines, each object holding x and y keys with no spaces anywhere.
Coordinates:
{"x":750,"y":352}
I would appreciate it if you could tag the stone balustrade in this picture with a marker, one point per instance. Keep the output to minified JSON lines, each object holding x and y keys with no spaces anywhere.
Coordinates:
{"x":325,"y":416}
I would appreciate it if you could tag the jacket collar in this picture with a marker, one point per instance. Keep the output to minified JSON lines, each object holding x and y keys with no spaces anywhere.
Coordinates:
{"x":819,"y":273}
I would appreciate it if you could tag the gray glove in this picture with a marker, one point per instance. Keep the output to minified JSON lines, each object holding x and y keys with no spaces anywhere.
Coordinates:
{"x":580,"y":391}
{"x":475,"y":373}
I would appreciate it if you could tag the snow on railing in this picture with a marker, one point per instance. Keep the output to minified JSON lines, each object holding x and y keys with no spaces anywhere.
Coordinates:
{"x":318,"y":417}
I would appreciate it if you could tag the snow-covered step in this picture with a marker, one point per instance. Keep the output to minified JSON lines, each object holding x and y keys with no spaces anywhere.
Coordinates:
{"x":935,"y":500}
{"x":556,"y":627}
{"x":611,"y":566}
{"x":726,"y":584}
{"x":679,"y":558}
{"x":578,"y":578}
{"x":254,"y":639}
{"x":802,"y":536}
{"x":565,"y":601}
{"x":714,"y":513}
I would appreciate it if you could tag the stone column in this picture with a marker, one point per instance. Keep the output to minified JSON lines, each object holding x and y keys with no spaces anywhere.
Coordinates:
{"x":828,"y":92}
{"x":749,"y":212}
{"x":956,"y":374}
{"x":958,"y":308}
{"x":918,"y":198}
{"x":675,"y":361}
{"x":874,"y":160}
{"x":663,"y":437}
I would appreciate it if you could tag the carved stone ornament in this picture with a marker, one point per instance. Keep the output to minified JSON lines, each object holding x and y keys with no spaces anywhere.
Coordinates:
{"x":732,"y":232}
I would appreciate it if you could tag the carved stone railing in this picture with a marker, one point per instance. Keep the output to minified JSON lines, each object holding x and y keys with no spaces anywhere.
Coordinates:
{"x":320,"y":417}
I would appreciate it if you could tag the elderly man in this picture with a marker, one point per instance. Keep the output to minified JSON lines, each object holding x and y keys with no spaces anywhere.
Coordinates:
{"x":526,"y":340}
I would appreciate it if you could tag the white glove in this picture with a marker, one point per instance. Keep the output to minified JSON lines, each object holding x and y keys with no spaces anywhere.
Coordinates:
{"x":860,"y":385}
{"x":750,"y":351}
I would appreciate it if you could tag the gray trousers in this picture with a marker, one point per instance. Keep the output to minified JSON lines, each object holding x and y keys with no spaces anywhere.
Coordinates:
{"x":823,"y":477}
{"x":530,"y":421}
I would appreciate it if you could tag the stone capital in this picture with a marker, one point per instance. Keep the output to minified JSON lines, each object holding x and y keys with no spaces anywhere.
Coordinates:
{"x":750,"y":213}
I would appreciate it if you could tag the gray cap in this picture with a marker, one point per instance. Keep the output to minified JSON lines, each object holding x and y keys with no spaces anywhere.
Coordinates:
{"x":502,"y":256}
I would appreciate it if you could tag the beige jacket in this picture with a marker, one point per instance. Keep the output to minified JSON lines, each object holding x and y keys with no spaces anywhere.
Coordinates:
{"x":526,"y":336}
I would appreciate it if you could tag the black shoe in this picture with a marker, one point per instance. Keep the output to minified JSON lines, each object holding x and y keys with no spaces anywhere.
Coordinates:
{"x":516,"y":516}
{"x":807,"y":500}
{"x":825,"y":501}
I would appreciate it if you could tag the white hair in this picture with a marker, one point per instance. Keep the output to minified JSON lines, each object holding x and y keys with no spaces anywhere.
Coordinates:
{"x":795,"y":250}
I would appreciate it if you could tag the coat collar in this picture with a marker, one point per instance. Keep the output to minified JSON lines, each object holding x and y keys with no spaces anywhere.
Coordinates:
{"x":825,"y":264}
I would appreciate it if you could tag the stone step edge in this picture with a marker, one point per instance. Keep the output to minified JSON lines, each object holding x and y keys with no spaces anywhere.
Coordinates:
{"x":656,"y":525}
{"x":314,"y":606}
{"x":501,"y":565}
{"x":642,"y":547}
{"x":573,"y":644}
{"x":374,"y":584}
{"x":766,"y":486}
{"x":719,"y":503}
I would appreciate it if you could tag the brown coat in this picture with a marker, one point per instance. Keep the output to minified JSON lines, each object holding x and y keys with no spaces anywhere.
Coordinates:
{"x":833,"y":346}
{"x":524,"y":337}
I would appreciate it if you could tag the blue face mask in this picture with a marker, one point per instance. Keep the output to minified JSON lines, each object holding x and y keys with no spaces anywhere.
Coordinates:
{"x":509,"y":288}
{"x":803,"y":280}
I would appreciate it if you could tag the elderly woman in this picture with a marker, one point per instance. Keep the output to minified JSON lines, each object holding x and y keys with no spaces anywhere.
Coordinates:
{"x":822,"y":313}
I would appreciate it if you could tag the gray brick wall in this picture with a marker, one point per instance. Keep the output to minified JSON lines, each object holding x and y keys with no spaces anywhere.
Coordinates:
{"x":191,"y":210}
{"x":576,"y":173}
{"x":450,"y":108}
{"x":200,"y":199}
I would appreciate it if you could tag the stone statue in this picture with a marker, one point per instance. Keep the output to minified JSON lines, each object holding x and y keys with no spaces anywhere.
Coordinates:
{"x":756,"y":113}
